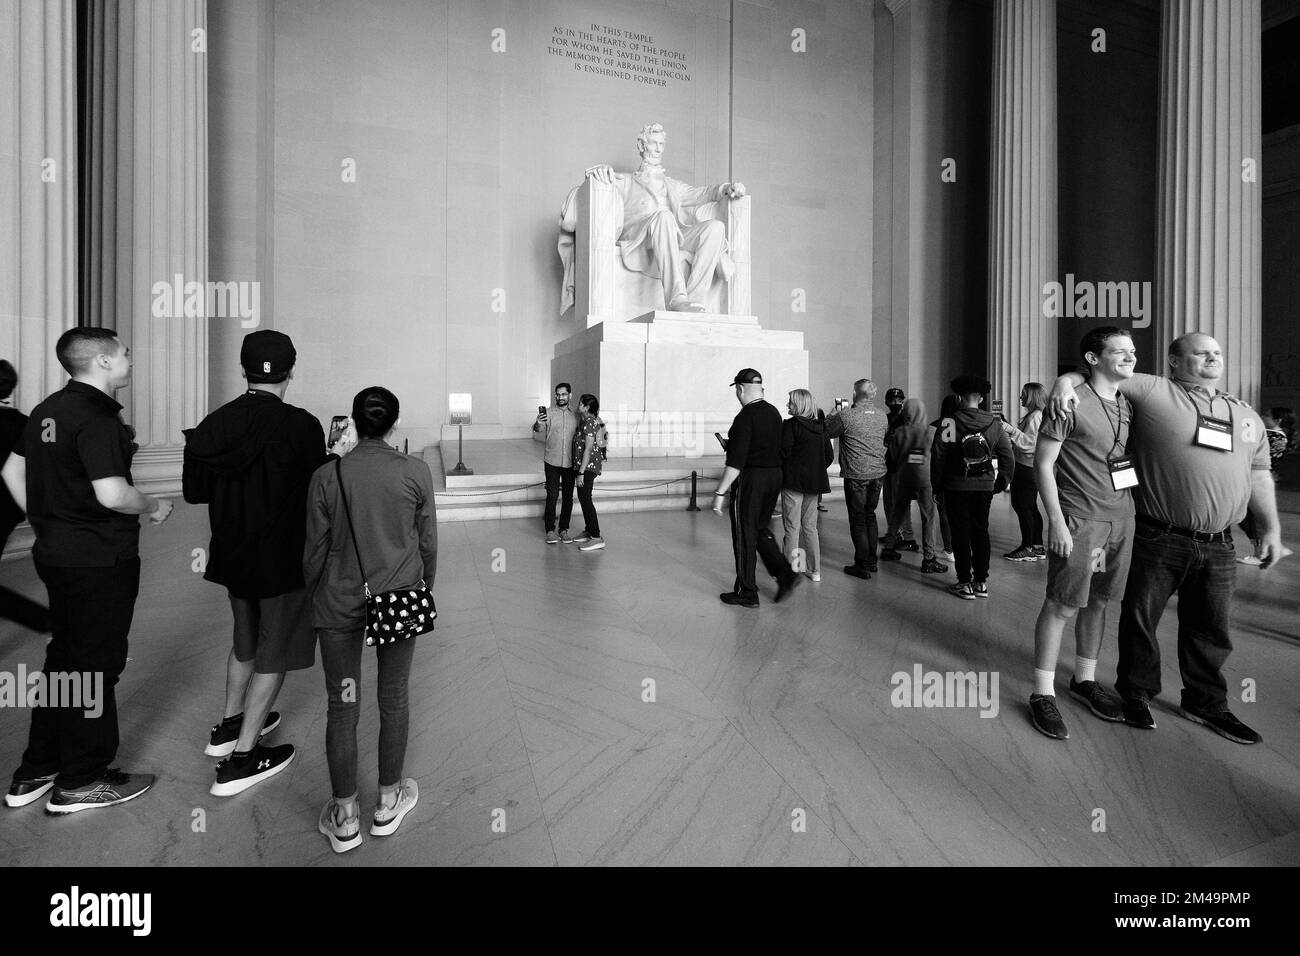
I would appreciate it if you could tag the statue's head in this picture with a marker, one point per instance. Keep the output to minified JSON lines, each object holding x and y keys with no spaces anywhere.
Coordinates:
{"x":650,"y":142}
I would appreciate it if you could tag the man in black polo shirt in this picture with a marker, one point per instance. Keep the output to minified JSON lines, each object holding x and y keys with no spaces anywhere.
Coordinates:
{"x":72,"y":474}
{"x":754,"y":468}
{"x":250,"y":462}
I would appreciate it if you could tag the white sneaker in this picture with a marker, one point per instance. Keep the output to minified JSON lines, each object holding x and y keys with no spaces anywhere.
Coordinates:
{"x":1251,"y":559}
{"x":815,"y":575}
{"x":388,"y":819}
{"x":343,"y":836}
{"x":595,"y":544}
{"x":950,"y":556}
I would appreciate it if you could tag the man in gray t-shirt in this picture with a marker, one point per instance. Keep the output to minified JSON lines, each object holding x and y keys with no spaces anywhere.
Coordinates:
{"x":1083,"y":480}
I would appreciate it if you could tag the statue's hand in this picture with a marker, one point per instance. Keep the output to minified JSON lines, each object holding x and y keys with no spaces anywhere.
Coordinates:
{"x":602,"y":174}
{"x":734,"y":190}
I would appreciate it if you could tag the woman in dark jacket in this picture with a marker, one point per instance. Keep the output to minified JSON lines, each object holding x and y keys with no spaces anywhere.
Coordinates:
{"x":806,"y":453}
{"x":390,"y":498}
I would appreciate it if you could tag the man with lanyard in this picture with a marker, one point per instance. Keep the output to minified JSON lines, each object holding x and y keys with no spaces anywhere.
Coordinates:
{"x":754,"y":468}
{"x":1085,"y":476}
{"x":1201,"y":459}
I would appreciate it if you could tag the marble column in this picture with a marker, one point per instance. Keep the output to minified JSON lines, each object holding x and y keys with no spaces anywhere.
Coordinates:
{"x":1208,"y":230}
{"x":38,"y":202}
{"x":1022,"y":198}
{"x":148,"y":198}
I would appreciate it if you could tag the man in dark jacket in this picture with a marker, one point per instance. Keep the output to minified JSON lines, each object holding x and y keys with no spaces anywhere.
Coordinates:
{"x":962,"y":471}
{"x":250,"y":462}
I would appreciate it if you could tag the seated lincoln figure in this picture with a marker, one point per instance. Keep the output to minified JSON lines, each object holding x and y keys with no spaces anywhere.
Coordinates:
{"x":662,"y":233}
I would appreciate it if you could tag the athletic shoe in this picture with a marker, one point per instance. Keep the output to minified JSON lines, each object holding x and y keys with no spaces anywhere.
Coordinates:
{"x":344,"y":834}
{"x":388,"y":819}
{"x":1137,"y":713}
{"x":934,"y":566}
{"x":1251,"y":559}
{"x":822,"y":508}
{"x":891,"y":554}
{"x":112,"y":788}
{"x":980,"y":589}
{"x":816,"y":576}
{"x":566,"y":538}
{"x":950,"y":556}
{"x":1223,"y":723}
{"x":1040,"y":552}
{"x":1046,"y":717}
{"x":593,"y":544}
{"x":1021,"y":554}
{"x":788,"y":584}
{"x":238,"y":772}
{"x":1099,"y":700}
{"x":226,"y":734}
{"x":581,"y":539}
{"x":907,"y":544}
{"x":857,"y":572}
{"x":552,"y":538}
{"x":731,"y":597}
{"x":964,"y":591}
{"x":23,"y":792}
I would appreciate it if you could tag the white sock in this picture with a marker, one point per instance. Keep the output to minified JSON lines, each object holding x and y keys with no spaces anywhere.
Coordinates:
{"x":1084,"y":669}
{"x":1043,"y":682}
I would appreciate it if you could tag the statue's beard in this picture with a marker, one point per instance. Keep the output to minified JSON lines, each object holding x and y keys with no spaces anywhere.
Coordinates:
{"x":651,"y":165}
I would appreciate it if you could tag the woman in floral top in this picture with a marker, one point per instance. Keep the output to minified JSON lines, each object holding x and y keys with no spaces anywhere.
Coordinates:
{"x":588,"y":442}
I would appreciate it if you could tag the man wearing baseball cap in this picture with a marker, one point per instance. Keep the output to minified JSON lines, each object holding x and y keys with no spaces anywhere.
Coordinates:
{"x":754,"y":474}
{"x":250,"y":462}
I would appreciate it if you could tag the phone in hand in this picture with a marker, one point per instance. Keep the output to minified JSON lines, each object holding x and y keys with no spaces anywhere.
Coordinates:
{"x":721,"y":441}
{"x":541,"y":413}
{"x":338,"y":425}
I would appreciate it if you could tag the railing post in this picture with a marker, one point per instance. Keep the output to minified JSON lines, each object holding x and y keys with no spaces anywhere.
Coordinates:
{"x":694,"y":483}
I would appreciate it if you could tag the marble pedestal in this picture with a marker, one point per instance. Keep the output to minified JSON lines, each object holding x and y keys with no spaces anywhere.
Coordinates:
{"x":663,"y":378}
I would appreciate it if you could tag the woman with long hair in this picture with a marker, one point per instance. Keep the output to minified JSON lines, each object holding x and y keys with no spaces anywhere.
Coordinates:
{"x":371,"y":525}
{"x":588,"y":442}
{"x":805,"y":455}
{"x":1024,"y":486}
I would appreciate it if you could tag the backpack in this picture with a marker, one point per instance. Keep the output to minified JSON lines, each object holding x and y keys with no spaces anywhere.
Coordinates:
{"x":975,"y":458}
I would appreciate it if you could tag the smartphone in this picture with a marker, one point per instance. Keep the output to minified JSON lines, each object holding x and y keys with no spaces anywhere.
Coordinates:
{"x":541,"y":411}
{"x":721,"y":441}
{"x":337,"y":426}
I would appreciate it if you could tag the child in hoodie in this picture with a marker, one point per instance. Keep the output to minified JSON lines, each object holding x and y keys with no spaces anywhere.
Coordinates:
{"x":961,"y":470}
{"x":908,"y":458}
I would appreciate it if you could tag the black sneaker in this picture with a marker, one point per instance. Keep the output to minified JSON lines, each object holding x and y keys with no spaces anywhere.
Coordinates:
{"x":239,"y":771}
{"x":788,"y":584}
{"x":965,"y":591}
{"x":23,"y":792}
{"x":1137,"y":713}
{"x":1099,"y":700}
{"x":1223,"y":723}
{"x":226,"y":734}
{"x":112,"y":788}
{"x":854,"y":571}
{"x":981,"y":589}
{"x":891,"y":554}
{"x":731,"y":597}
{"x":1046,"y":717}
{"x":934,"y":566}
{"x":1021,"y":554}
{"x":908,"y":544}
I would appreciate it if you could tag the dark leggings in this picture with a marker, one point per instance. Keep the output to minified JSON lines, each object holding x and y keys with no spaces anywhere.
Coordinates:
{"x":589,"y":516}
{"x":1024,"y":502}
{"x":340,"y":654}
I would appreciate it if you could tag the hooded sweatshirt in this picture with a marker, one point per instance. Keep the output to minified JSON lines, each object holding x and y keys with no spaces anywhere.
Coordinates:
{"x":946,"y":477}
{"x":806,"y":453}
{"x":909,"y":447}
{"x":250,"y":462}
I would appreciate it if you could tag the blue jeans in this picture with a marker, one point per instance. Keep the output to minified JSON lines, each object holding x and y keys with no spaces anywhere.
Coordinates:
{"x":861,"y":495}
{"x":1203,"y":575}
{"x":340,"y":655}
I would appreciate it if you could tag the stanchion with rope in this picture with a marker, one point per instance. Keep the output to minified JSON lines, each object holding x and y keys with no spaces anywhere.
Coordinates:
{"x":694,"y":479}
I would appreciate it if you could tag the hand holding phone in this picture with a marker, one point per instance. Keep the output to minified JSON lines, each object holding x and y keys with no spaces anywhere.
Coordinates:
{"x":541,"y":413}
{"x":338,"y":425}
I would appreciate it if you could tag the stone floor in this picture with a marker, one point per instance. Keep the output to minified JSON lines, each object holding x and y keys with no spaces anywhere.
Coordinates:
{"x":528,"y":713}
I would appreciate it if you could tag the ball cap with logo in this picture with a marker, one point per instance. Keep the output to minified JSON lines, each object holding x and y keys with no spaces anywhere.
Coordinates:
{"x":267,"y":352}
{"x":895,"y":395}
{"x":747,"y":376}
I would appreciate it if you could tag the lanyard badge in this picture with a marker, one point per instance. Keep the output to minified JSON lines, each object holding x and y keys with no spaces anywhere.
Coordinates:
{"x":1122,"y":473}
{"x":916,"y":458}
{"x":1213,"y":432}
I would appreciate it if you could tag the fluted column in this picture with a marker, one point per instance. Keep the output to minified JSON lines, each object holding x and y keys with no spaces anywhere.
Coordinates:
{"x":148,"y":196}
{"x":38,"y":177}
{"x":1022,"y":200}
{"x":1208,"y":230}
